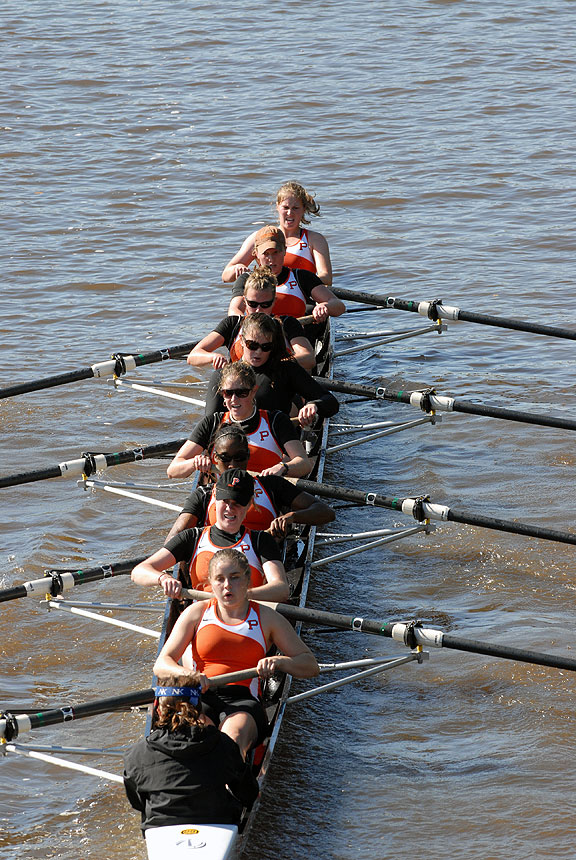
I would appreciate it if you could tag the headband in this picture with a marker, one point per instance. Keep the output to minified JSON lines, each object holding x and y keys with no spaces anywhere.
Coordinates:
{"x":190,"y":693}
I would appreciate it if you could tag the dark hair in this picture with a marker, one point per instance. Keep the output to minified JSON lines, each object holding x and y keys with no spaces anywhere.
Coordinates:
{"x":230,"y":430}
{"x":231,"y":555}
{"x":270,"y":326}
{"x":172,"y":712}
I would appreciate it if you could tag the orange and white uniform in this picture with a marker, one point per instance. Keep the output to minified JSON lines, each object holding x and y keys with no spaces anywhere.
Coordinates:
{"x":264,"y":449}
{"x":204,"y":551}
{"x":290,"y":299}
{"x":218,"y":648}
{"x":260,"y":514}
{"x":299,"y":255}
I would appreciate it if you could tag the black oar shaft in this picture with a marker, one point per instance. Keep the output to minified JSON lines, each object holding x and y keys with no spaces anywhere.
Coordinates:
{"x":508,"y":652}
{"x":447,"y":404}
{"x":436,"y":310}
{"x":90,"y":463}
{"x":57,"y":581}
{"x":117,"y":366}
{"x":432,"y":511}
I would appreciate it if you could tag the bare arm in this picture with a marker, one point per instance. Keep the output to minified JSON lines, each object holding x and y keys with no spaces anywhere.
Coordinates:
{"x":298,"y":463}
{"x":307,"y":509}
{"x":276,"y":589}
{"x":321,"y":255}
{"x":303,"y":352}
{"x":183,"y":521}
{"x":187,"y":460}
{"x":327,"y":304}
{"x":240,"y":261}
{"x":236,"y":307}
{"x":154,"y":571}
{"x":296,"y":658}
{"x":181,"y":636}
{"x":204,"y":352}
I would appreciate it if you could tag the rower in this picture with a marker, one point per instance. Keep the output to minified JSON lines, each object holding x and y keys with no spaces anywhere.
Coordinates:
{"x":259,"y":296}
{"x":275,"y":447}
{"x":306,"y":249}
{"x":186,"y":770}
{"x":194,"y":547}
{"x":296,"y":287}
{"x":277,"y":504}
{"x":231,"y":633}
{"x":280,"y":379}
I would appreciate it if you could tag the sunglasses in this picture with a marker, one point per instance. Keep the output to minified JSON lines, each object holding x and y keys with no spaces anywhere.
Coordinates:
{"x":232,"y":458}
{"x":252,"y":304}
{"x":239,"y":392}
{"x":254,"y":346}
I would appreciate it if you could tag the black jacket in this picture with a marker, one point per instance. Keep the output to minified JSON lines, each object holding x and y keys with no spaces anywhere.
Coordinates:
{"x":181,"y":777}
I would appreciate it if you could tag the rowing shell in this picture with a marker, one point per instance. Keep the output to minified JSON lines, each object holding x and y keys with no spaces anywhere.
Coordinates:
{"x":219,"y":842}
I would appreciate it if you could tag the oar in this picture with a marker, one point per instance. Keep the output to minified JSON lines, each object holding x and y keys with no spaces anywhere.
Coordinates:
{"x":435,"y":310}
{"x":423,"y":509}
{"x":413,"y":634}
{"x":55,"y":582}
{"x":118,"y":365}
{"x":89,"y":464}
{"x":428,"y":401}
{"x":11,"y":725}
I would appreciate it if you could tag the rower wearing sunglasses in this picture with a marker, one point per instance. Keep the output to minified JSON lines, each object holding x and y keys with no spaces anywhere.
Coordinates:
{"x":274,"y":443}
{"x":277,"y":503}
{"x":296,"y":287}
{"x":259,"y":297}
{"x":194,"y":547}
{"x":279,"y":377}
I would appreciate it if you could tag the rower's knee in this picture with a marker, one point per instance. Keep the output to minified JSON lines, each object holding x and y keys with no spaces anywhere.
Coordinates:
{"x":241,"y":727}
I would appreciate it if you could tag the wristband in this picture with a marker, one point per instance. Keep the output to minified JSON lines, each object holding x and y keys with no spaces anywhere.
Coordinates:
{"x":164,"y":573}
{"x":285,"y":465}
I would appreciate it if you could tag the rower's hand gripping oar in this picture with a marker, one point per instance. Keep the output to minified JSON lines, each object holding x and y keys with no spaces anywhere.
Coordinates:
{"x":436,"y":310}
{"x":430,"y":402}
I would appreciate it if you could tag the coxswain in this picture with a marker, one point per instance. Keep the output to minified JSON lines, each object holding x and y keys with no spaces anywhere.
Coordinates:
{"x":305,"y":249}
{"x":275,"y":447}
{"x":186,"y":771}
{"x":259,"y":297}
{"x":194,"y":547}
{"x":277,"y":504}
{"x":230,"y":633}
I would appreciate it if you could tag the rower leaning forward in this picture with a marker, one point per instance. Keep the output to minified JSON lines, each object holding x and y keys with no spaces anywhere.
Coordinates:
{"x":228,"y":634}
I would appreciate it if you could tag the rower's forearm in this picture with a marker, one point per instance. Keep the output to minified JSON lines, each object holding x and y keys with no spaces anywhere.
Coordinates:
{"x":180,"y":468}
{"x":317,"y":514}
{"x":303,"y":665}
{"x":145,"y":574}
{"x":273,"y":592}
{"x":335,"y":307}
{"x":200,"y":358}
{"x":298,"y":467}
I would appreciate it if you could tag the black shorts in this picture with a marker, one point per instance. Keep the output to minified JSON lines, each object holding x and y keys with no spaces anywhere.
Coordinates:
{"x":224,"y":701}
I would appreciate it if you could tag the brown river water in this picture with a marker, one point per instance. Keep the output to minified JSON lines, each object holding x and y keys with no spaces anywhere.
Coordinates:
{"x":140,"y":143}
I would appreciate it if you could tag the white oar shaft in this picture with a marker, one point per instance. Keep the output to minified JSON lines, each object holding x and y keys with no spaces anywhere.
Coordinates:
{"x":120,"y":383}
{"x":60,"y":762}
{"x":138,"y":496}
{"x":399,"y":661}
{"x":115,"y":622}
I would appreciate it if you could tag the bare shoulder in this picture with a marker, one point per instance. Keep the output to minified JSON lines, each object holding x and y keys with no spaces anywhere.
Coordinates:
{"x":317,"y":241}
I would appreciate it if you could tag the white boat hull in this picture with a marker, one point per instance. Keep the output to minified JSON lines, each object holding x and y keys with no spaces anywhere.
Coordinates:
{"x":191,"y":841}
